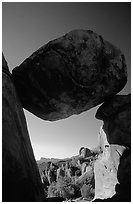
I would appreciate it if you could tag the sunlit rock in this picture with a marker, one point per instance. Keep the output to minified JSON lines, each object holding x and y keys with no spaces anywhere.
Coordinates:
{"x":116,"y":114}
{"x":105,"y":170}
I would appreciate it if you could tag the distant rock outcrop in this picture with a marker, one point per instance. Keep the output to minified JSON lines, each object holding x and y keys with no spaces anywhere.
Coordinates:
{"x":20,"y":177}
{"x":85,"y":152}
{"x":70,"y":75}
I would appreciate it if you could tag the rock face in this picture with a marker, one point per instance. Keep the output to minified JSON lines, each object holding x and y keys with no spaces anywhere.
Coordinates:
{"x":20,"y":177}
{"x":105,"y":170}
{"x":102,"y":140}
{"x":124,"y":176}
{"x":70,"y":75}
{"x":116,"y":114}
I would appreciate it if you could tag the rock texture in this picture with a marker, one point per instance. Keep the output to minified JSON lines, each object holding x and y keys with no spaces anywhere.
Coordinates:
{"x":70,"y":75}
{"x":124,"y":176}
{"x":20,"y":177}
{"x":105,"y":169}
{"x":116,"y":114}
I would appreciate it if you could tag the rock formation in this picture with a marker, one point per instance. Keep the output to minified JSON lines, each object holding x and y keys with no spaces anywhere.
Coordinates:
{"x":116,"y":114}
{"x":70,"y":75}
{"x":105,"y":159}
{"x":85,"y":152}
{"x":102,"y":140}
{"x":20,"y":177}
{"x":67,"y":76}
{"x":105,"y":169}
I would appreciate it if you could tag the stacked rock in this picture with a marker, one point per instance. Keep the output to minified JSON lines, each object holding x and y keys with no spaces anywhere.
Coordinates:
{"x":67,"y":76}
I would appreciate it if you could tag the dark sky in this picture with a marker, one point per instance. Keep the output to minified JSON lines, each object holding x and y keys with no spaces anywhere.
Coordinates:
{"x":28,"y":26}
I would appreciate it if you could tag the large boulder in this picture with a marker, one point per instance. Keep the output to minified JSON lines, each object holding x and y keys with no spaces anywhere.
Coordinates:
{"x":20,"y":176}
{"x":70,"y":75}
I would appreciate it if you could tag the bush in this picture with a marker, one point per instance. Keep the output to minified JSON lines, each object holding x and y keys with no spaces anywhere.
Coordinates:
{"x":88,"y":191}
{"x":64,"y":188}
{"x":52,"y":190}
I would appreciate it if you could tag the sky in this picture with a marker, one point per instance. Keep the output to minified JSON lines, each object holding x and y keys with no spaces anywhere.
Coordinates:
{"x":28,"y":26}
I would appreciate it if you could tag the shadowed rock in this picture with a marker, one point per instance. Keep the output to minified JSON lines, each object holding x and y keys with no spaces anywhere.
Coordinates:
{"x":116,"y":114}
{"x":20,"y":176}
{"x":70,"y":75}
{"x":85,"y":152}
{"x":124,"y":176}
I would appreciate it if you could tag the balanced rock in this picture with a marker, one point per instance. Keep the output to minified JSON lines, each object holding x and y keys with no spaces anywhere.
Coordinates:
{"x":20,"y":176}
{"x":70,"y":75}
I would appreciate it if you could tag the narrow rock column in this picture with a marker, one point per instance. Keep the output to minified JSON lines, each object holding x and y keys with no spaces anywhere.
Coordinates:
{"x":20,"y":177}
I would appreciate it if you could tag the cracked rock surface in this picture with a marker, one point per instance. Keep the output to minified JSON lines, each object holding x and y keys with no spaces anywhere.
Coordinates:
{"x":70,"y":75}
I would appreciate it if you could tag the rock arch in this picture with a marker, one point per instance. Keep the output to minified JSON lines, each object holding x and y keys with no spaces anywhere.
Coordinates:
{"x":67,"y":76}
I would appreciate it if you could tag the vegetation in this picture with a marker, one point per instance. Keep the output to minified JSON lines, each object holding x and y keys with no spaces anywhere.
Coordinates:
{"x":88,"y":191}
{"x":70,"y":179}
{"x":65,"y":188}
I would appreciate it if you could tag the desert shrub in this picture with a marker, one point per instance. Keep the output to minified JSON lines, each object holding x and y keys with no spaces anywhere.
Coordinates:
{"x":68,"y":189}
{"x":64,"y":188}
{"x":88,"y":191}
{"x":52,"y":190}
{"x":78,"y":173}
